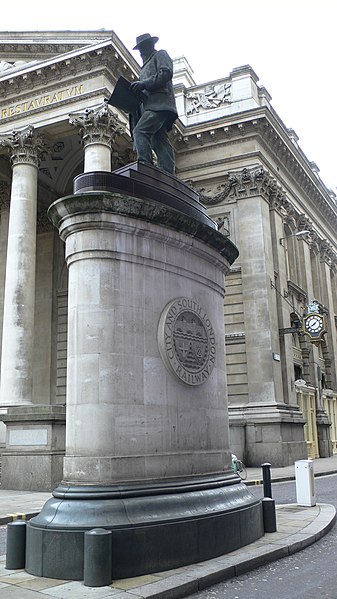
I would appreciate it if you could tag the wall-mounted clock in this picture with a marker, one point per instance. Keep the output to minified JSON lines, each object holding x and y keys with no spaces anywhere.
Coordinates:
{"x":314,"y":326}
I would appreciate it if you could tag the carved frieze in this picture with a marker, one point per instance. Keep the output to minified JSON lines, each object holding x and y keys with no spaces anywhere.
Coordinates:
{"x":40,"y":50}
{"x":223,"y":225}
{"x":220,"y":195}
{"x":256,"y":180}
{"x":208,"y":98}
{"x":248,"y":182}
{"x":309,"y":186}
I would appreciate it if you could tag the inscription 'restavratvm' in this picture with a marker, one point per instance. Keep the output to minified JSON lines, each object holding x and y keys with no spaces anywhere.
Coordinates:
{"x":41,"y":101}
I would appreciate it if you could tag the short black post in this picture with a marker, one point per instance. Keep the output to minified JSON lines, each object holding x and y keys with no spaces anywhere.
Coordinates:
{"x":97,"y":557}
{"x":16,"y":545}
{"x":269,"y":514}
{"x":266,"y":480}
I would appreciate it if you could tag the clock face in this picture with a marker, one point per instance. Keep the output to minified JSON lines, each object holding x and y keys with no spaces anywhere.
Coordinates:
{"x":314,"y":324}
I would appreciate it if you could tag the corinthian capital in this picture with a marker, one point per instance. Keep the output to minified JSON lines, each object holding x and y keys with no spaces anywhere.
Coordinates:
{"x":25,"y":145}
{"x":97,"y":125}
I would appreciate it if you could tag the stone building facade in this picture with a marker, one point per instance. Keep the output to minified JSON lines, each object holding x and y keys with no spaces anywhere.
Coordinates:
{"x":252,"y":175}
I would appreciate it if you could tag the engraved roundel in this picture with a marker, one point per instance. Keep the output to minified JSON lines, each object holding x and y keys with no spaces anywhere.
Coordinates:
{"x":186,"y":341}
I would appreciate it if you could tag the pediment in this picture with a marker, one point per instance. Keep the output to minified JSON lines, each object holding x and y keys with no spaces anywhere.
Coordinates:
{"x":27,"y":46}
{"x":57,"y":85}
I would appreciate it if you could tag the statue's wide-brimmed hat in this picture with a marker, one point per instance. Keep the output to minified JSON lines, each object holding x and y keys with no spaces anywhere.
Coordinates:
{"x":144,"y":38}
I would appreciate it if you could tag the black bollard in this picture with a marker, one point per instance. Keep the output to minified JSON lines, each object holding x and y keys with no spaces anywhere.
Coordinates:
{"x":16,"y":545}
{"x":266,"y":480}
{"x":269,"y":514}
{"x":97,"y":557}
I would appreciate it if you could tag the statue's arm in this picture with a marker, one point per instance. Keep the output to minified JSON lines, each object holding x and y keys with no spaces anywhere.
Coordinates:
{"x":159,"y":73}
{"x":162,"y":72}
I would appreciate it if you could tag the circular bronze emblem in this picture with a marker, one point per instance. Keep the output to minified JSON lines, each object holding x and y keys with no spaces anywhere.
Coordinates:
{"x":186,"y":341}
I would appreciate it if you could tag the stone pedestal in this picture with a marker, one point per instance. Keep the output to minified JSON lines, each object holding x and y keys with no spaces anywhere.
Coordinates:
{"x":33,"y":456}
{"x":268,"y":429}
{"x":147,"y":452}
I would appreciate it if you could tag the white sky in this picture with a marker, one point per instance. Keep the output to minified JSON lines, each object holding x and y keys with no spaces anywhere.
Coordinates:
{"x":291,"y":45}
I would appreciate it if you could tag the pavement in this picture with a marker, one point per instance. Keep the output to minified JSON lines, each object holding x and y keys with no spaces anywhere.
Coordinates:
{"x":297,"y":528}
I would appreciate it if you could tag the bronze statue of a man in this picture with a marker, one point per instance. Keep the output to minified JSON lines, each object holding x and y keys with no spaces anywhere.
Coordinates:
{"x":158,"y":108}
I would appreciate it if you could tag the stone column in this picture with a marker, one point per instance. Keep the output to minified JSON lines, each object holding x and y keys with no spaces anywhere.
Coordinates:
{"x":328,"y":261}
{"x":18,"y":316}
{"x":286,"y":389}
{"x":4,"y":216}
{"x":264,"y":375}
{"x":274,"y":424}
{"x":98,"y":128}
{"x":32,"y":458}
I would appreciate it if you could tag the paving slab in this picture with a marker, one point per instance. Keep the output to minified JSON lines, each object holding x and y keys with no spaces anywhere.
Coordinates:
{"x":298,"y":527}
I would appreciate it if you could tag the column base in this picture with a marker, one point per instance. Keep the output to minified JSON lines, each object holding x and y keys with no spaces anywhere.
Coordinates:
{"x":32,"y":459}
{"x":267,"y":433}
{"x":155,"y":526}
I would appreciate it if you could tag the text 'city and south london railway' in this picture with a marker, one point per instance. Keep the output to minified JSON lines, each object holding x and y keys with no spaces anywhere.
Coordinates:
{"x":187,"y":341}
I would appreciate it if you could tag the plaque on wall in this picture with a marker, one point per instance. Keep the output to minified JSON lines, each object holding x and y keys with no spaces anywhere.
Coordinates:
{"x":186,"y":341}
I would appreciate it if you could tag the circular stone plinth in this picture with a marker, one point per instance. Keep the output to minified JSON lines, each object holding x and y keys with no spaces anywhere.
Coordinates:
{"x":155,"y":526}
